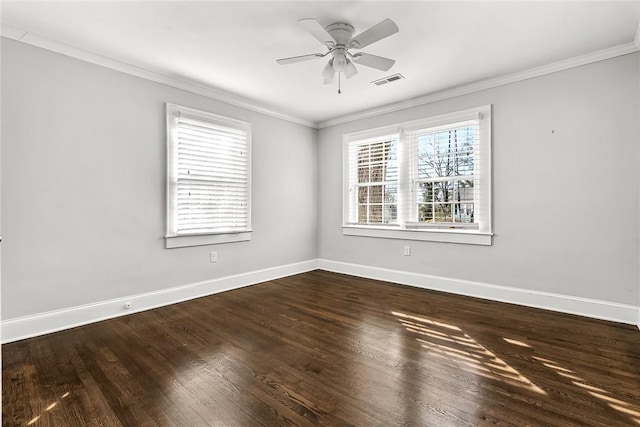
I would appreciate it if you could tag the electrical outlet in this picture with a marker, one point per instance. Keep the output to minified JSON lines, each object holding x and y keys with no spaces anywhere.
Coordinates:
{"x":407,"y":251}
{"x":213,"y":257}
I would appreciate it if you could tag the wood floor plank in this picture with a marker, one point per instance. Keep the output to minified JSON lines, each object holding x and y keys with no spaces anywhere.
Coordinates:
{"x":328,"y":349}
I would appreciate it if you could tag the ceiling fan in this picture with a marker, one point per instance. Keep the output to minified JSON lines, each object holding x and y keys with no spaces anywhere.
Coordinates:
{"x":338,"y":39}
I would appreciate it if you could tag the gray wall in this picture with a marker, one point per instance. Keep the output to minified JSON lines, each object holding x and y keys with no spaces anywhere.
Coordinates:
{"x":565,"y":203}
{"x":83,"y":187}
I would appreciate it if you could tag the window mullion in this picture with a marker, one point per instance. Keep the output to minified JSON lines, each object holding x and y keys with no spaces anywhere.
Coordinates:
{"x":454,"y":175}
{"x":405,"y":179}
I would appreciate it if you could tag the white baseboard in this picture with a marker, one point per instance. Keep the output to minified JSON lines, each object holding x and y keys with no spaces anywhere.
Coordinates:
{"x":597,"y":309}
{"x":52,"y":321}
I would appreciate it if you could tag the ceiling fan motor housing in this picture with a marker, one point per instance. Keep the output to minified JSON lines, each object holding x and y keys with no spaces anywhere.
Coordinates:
{"x":341,"y":33}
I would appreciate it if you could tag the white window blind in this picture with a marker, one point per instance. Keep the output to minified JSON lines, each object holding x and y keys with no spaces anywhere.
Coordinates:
{"x":209,"y":173}
{"x":373,"y":180}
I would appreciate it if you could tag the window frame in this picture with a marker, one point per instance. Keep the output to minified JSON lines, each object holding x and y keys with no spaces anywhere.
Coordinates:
{"x":412,"y":230}
{"x":172,"y":238}
{"x":356,"y":185}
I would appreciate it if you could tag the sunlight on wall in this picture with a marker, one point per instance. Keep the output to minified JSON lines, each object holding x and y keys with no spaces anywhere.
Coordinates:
{"x":449,"y":342}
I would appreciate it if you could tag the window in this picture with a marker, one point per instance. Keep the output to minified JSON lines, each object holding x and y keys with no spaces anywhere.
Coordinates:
{"x":424,"y":180}
{"x":444,"y":182}
{"x":208,"y":178}
{"x":375,"y":180}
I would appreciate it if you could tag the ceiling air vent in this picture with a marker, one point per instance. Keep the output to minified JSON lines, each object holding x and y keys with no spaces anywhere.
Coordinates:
{"x":388,"y":79}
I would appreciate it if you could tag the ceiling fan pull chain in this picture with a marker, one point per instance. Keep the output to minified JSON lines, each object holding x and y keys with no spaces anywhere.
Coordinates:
{"x":339,"y":91}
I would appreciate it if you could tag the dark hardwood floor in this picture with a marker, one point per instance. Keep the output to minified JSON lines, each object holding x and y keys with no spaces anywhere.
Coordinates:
{"x":330,"y":349}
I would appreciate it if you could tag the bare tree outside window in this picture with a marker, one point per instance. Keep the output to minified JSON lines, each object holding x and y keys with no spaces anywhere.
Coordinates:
{"x":445,"y":176}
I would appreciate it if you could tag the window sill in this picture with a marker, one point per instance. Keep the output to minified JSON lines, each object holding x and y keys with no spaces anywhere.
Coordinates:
{"x":205,"y":239}
{"x":467,"y":237}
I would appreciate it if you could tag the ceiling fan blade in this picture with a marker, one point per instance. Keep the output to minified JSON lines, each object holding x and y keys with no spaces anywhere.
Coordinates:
{"x":300,"y":58}
{"x":373,"y":61}
{"x":316,"y":30}
{"x":328,"y":73}
{"x":350,"y":70}
{"x":377,"y":32}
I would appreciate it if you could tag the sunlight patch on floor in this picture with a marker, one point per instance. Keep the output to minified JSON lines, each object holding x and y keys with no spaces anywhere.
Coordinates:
{"x":570,"y":376}
{"x":48,"y":408}
{"x":589,"y":387}
{"x":617,"y":404}
{"x":450,"y":343}
{"x":516,"y":342}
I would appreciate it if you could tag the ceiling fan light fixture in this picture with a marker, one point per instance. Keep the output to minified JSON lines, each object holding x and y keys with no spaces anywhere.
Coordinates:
{"x":328,"y":73}
{"x":339,"y":61}
{"x":350,"y":69}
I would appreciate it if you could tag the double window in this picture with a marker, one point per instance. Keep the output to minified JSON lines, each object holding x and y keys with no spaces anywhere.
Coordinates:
{"x":208,"y":178}
{"x":427,"y":180}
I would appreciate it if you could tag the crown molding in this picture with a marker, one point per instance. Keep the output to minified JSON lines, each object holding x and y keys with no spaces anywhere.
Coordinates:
{"x":23,"y":36}
{"x":565,"y":64}
{"x":178,"y":83}
{"x":10,"y":32}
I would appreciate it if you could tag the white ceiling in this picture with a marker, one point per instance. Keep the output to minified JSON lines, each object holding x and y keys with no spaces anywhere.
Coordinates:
{"x":232,"y":46}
